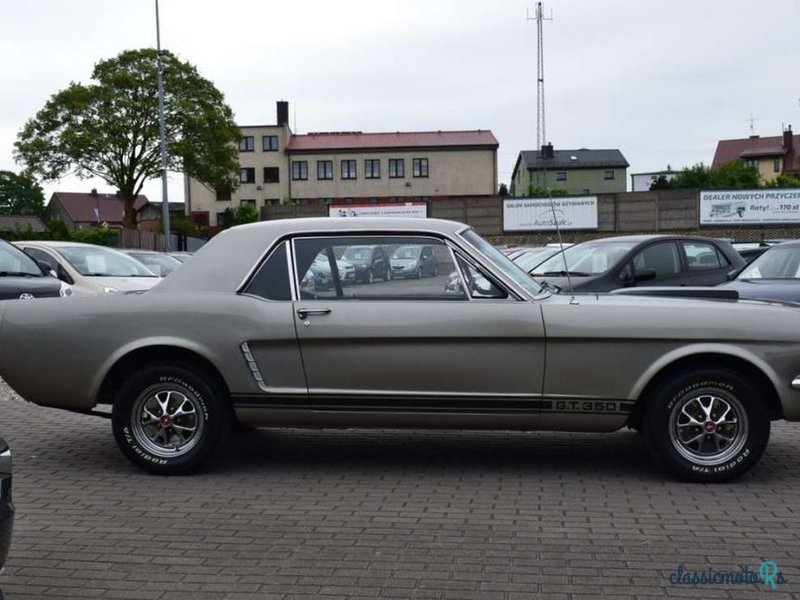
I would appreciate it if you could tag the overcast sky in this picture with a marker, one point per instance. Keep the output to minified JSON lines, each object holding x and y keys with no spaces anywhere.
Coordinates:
{"x":660,"y":80}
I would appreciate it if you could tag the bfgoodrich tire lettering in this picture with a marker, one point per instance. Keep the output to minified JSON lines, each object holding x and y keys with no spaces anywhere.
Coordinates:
{"x":707,"y":425}
{"x":168,"y":418}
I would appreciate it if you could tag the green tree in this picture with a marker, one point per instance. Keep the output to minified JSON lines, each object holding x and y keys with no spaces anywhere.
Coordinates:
{"x":20,"y":195}
{"x":784,"y":181}
{"x":503,"y":191}
{"x":110,"y":129}
{"x":537,"y":191}
{"x":733,"y":175}
{"x":246,"y":213}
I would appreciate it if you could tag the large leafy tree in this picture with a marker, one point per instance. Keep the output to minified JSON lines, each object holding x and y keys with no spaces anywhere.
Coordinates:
{"x":736,"y":174}
{"x":20,"y":195}
{"x":110,"y":128}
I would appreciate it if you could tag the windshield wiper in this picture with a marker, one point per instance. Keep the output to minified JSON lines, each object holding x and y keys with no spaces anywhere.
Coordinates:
{"x":17,"y":274}
{"x":563,"y":274}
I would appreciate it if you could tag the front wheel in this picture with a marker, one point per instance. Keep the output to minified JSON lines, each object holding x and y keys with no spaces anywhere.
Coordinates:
{"x":168,"y":418}
{"x":707,"y":425}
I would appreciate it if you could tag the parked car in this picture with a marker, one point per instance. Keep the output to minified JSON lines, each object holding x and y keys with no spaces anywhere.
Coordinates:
{"x":230,"y":336}
{"x":750,"y":250}
{"x":529,"y":258}
{"x":160,"y":263}
{"x":6,"y":503}
{"x":345,"y":269}
{"x":773,"y":275}
{"x":91,"y":269}
{"x":635,"y":260}
{"x":414,"y":261}
{"x":22,"y":277}
{"x":370,"y":262}
{"x":181,"y":256}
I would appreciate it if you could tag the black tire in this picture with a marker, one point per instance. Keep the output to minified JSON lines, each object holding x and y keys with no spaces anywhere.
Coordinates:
{"x":193,"y":434}
{"x":707,"y":425}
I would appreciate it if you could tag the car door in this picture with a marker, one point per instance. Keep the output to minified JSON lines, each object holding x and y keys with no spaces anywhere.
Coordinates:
{"x":706,"y":264}
{"x":412,"y":345}
{"x":659,"y":264}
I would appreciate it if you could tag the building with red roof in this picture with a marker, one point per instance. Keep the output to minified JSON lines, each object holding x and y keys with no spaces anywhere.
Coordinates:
{"x":79,"y":210}
{"x":770,"y":155}
{"x":350,"y":167}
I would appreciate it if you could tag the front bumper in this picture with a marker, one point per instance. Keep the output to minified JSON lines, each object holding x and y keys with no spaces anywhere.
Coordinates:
{"x":6,"y":503}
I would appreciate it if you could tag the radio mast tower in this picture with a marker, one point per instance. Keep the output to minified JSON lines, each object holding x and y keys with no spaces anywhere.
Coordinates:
{"x":541,"y":136}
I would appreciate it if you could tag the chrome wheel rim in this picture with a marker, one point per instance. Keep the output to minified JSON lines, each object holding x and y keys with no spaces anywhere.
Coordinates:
{"x":709,"y":428}
{"x":167,"y":421}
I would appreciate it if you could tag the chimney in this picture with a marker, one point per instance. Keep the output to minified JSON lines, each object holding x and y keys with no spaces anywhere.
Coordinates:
{"x":788,"y":139}
{"x":283,"y":113}
{"x":94,"y":192}
{"x":547,"y":150}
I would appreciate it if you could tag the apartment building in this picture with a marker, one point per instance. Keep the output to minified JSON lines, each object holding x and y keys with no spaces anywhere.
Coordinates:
{"x":278,"y":166}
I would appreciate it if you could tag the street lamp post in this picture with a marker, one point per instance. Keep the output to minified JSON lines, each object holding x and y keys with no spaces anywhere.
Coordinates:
{"x":162,"y":128}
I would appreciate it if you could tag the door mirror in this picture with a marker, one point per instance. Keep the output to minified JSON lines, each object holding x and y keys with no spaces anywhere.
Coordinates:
{"x":645,"y":274}
{"x":46,"y":269}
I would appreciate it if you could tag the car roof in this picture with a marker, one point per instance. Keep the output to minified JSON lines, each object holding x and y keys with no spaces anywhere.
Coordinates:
{"x":645,"y":237}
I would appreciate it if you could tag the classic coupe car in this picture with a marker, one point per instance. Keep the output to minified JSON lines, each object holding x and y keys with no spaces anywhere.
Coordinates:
{"x":231,"y":336}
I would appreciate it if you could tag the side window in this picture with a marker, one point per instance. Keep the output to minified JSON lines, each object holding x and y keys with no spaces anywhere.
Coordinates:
{"x":662,"y":258}
{"x":702,"y":256}
{"x":271,"y":281}
{"x":374,"y":268}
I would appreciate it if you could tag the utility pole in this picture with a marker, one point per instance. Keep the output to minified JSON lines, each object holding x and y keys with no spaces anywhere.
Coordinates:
{"x":162,"y":129}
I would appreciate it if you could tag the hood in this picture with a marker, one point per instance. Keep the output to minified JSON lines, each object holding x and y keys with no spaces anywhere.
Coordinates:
{"x":787,"y":290}
{"x":590,"y":283}
{"x":11,"y":288}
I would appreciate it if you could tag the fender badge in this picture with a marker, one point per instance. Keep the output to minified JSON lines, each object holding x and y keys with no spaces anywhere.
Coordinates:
{"x":26,"y":296}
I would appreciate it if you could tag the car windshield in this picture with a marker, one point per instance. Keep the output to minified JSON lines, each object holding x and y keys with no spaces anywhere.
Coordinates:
{"x":14,"y":262}
{"x":502,"y":262}
{"x":357,"y":253}
{"x":407,"y":252}
{"x":97,"y":261}
{"x":160,"y":263}
{"x":776,"y":263}
{"x":584,"y":260}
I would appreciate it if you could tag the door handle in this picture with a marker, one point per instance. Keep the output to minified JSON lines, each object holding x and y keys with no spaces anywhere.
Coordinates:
{"x":305,"y":312}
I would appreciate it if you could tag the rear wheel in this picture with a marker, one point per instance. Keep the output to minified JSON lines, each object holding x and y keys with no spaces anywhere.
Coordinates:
{"x":707,"y":425}
{"x":168,"y":418}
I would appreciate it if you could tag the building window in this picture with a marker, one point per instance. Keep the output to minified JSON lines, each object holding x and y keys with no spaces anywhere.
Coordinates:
{"x":271,"y":201}
{"x":247,"y":144}
{"x":751,"y":162}
{"x":372,"y":168}
{"x":272,"y":175}
{"x":586,"y":191}
{"x":397,"y":168}
{"x":224,"y":219}
{"x":246,"y":201}
{"x":324,"y":169}
{"x":299,"y":170}
{"x":608,"y":175}
{"x":348,"y":169}
{"x":247,"y":175}
{"x":223,"y":195}
{"x":269,"y":143}
{"x":561,"y":176}
{"x":776,"y":165}
{"x":420,"y":167}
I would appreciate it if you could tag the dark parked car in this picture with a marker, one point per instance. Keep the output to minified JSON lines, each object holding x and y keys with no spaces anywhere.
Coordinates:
{"x":6,"y":505}
{"x":636,"y":260}
{"x":22,"y":277}
{"x":774,"y":275}
{"x":414,"y":261}
{"x":371,"y":262}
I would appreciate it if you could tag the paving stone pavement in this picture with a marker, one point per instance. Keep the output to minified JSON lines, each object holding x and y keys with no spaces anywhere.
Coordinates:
{"x":386,"y":514}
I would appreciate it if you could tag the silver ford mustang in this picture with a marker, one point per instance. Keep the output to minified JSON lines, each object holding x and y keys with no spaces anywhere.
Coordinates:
{"x":238,"y":335}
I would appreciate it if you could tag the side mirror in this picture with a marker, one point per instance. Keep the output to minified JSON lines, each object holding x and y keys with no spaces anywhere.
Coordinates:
{"x":731,"y":275}
{"x":645,"y":274}
{"x":46,"y":269}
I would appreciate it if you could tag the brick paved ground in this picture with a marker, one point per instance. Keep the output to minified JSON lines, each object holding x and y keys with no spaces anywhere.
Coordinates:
{"x":385,"y":514}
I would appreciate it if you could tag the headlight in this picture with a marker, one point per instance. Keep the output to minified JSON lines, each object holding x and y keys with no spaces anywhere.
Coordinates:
{"x":110,"y":290}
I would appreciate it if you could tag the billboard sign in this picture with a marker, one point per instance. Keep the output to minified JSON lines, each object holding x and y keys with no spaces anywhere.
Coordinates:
{"x":542,"y":214}
{"x":417,"y":210}
{"x":749,"y":207}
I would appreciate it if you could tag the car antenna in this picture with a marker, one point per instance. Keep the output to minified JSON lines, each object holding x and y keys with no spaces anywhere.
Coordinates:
{"x":560,"y":240}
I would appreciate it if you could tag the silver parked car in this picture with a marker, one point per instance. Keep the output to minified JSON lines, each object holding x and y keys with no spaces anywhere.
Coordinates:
{"x":6,"y":504}
{"x":160,"y":263}
{"x":91,"y":269}
{"x":232,"y":336}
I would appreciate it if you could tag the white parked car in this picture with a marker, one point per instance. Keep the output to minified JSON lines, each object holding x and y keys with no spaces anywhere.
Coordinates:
{"x":91,"y":269}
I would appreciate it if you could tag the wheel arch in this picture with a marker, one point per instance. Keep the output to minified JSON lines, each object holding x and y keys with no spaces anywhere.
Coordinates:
{"x":709,"y":359}
{"x":152,"y":354}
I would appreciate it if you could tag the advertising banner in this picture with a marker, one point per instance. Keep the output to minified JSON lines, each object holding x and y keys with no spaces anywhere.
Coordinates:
{"x":417,"y":210}
{"x":541,"y":214}
{"x":749,"y":207}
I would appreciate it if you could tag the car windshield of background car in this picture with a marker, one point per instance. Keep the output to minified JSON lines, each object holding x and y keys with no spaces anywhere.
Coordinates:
{"x":409,"y":252}
{"x":583,"y":260}
{"x":775,"y":263}
{"x":529,"y":259}
{"x":101,"y":262}
{"x":502,"y":262}
{"x":163,"y":262}
{"x":15,"y":262}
